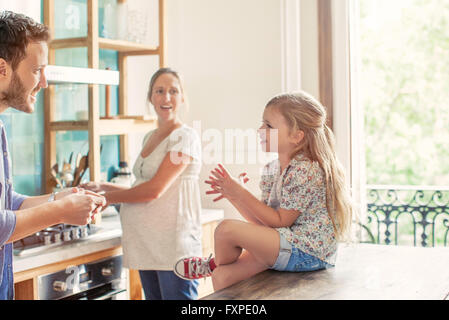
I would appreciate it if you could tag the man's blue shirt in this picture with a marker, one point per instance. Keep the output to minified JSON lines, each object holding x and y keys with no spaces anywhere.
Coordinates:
{"x":11,"y":201}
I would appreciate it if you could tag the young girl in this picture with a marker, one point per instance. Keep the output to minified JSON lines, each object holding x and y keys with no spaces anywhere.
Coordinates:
{"x":160,"y":213}
{"x":305,"y":205}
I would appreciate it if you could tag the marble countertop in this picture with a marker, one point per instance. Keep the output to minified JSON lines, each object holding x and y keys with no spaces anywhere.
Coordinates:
{"x":108,"y":236}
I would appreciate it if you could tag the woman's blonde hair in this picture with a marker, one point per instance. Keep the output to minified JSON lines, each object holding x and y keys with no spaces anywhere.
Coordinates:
{"x":303,"y":112}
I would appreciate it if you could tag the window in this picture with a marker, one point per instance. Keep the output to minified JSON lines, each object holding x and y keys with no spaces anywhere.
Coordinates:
{"x":400,"y":82}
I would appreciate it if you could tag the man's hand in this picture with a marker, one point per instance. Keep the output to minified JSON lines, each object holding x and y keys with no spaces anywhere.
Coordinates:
{"x":81,"y":206}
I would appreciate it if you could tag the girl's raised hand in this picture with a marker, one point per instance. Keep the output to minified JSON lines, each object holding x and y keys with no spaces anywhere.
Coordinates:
{"x":223,"y":183}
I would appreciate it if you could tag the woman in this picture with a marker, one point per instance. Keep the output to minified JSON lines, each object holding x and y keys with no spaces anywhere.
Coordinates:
{"x":160,"y":213}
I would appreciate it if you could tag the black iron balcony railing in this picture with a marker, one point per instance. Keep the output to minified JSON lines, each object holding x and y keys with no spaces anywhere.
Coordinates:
{"x":407,"y":215}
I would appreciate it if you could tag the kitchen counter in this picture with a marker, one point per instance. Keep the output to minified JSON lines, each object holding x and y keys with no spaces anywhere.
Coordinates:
{"x":362,"y":272}
{"x":108,"y":236}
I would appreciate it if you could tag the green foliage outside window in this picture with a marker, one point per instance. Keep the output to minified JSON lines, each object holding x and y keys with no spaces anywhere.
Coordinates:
{"x":405,"y":90}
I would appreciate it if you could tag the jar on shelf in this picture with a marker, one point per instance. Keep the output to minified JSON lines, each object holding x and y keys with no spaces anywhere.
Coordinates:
{"x":123,"y":175}
{"x":109,"y":26}
{"x":122,"y":20}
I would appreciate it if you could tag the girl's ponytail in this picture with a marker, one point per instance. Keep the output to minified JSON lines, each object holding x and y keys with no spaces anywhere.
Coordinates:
{"x":338,"y":193}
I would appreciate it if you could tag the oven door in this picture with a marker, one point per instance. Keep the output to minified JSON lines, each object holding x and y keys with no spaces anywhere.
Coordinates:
{"x":102,"y":279}
{"x":107,"y":291}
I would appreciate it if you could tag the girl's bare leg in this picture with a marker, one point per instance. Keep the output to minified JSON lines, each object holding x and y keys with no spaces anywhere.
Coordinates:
{"x":245,"y":267}
{"x":261,"y":246}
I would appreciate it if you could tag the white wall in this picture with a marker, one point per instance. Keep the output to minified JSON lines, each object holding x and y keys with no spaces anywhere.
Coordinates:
{"x":31,"y":8}
{"x":229,"y":53}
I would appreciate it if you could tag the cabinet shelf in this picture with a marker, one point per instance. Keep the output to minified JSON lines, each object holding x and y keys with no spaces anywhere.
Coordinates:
{"x":68,"y":43}
{"x":68,"y":126}
{"x":64,"y":75}
{"x":126,"y":47}
{"x":129,"y":48}
{"x":105,"y":127}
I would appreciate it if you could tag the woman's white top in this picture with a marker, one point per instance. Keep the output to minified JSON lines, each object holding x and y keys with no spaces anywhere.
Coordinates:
{"x":158,"y":233}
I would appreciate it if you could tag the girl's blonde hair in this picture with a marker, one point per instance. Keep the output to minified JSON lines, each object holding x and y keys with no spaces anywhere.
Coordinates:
{"x":303,"y":112}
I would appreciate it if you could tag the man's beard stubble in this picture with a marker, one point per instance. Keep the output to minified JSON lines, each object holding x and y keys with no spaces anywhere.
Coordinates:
{"x":14,"y":95}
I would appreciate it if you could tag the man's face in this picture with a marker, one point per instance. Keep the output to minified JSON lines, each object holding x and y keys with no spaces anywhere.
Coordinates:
{"x":27,"y":80}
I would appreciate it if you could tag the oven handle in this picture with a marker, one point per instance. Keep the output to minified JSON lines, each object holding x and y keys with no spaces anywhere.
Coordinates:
{"x":109,"y":294}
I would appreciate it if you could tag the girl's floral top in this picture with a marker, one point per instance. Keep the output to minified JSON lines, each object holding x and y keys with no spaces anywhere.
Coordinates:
{"x":302,"y":187}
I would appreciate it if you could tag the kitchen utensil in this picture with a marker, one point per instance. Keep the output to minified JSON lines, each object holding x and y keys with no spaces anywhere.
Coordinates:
{"x":66,"y":167}
{"x":53,"y":183}
{"x":55,"y":177}
{"x":56,"y":168}
{"x":77,"y":160}
{"x":107,"y":100}
{"x":66,"y":174}
{"x":76,"y":177}
{"x":86,"y":165}
{"x":80,"y":170}
{"x":76,"y":173}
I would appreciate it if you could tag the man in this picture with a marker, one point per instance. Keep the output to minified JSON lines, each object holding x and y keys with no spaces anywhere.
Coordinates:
{"x":23,"y":58}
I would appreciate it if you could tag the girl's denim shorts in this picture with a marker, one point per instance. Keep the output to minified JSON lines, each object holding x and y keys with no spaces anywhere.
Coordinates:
{"x":294,"y":260}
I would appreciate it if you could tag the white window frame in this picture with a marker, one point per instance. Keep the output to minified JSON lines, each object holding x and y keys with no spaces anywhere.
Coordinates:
{"x":348,"y":113}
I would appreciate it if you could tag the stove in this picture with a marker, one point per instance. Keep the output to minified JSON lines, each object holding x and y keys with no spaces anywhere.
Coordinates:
{"x":55,"y":236}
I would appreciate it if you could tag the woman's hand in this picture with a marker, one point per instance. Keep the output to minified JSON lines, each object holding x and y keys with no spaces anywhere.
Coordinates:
{"x":93,"y":186}
{"x":69,"y":191}
{"x":223,"y":183}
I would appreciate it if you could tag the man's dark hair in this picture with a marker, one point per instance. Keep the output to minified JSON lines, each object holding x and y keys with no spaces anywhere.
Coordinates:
{"x":16,"y":32}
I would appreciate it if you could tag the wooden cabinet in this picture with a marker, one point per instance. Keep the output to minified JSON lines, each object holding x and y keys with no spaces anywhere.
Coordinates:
{"x":96,"y":127}
{"x":26,"y":284}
